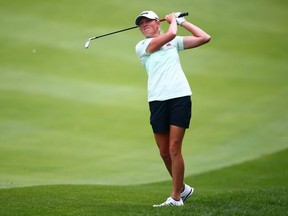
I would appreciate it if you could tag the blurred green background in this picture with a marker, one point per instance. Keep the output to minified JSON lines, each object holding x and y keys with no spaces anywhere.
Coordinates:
{"x":74,"y":116}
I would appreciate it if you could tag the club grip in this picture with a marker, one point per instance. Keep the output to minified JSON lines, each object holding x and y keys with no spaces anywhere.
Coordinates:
{"x":183,"y":14}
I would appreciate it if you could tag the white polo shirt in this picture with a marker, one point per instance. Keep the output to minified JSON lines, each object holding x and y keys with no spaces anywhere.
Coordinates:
{"x":166,"y":79}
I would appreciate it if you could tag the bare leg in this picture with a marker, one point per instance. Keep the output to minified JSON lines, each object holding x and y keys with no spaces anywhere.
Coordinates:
{"x":175,"y":141}
{"x":162,"y":140}
{"x":170,"y":148}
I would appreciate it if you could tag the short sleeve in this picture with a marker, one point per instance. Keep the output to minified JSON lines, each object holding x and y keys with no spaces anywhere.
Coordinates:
{"x":141,"y":49}
{"x":179,"y":43}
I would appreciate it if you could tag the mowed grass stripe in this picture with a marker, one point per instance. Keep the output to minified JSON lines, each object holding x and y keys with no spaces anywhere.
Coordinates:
{"x":42,"y":156}
{"x":81,"y":91}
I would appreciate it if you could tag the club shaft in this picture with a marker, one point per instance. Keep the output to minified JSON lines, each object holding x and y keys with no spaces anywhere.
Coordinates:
{"x":115,"y":32}
{"x":126,"y":29}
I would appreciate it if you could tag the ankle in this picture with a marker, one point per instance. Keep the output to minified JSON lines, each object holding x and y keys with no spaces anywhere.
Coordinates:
{"x":183,"y":188}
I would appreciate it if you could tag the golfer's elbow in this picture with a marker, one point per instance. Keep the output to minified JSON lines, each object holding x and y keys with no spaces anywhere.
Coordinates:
{"x":206,"y":38}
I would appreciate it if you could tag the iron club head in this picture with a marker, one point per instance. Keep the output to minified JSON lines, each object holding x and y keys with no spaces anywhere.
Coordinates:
{"x":87,"y":43}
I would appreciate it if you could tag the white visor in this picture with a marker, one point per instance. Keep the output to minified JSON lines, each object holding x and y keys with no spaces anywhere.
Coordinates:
{"x":147,"y":14}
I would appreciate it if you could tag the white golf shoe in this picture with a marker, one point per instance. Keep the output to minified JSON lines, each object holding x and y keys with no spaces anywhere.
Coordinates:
{"x":188,"y":191}
{"x":170,"y":202}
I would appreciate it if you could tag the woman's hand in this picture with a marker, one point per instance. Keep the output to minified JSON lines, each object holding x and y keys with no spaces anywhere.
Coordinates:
{"x":170,"y":18}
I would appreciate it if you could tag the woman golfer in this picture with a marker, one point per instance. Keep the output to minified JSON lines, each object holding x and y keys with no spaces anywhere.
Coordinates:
{"x":169,"y":93}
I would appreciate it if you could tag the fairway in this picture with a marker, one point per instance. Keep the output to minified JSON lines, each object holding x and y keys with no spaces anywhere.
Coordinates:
{"x":76,"y":116}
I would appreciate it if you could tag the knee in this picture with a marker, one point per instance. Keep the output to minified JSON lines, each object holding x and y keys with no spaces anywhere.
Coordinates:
{"x":175,"y":148}
{"x":173,"y":152}
{"x":165,"y":154}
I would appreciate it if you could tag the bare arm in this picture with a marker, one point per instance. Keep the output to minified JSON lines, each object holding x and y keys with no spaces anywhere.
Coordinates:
{"x":162,"y":39}
{"x":198,"y":38}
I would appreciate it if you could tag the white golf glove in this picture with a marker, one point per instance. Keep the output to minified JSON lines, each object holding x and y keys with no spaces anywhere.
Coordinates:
{"x":179,"y":20}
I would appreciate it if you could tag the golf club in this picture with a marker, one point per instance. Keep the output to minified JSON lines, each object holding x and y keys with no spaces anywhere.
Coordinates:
{"x":126,"y":29}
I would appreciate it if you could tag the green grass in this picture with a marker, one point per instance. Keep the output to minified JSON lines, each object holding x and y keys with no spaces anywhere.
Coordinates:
{"x":75,"y":122}
{"x":256,"y":187}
